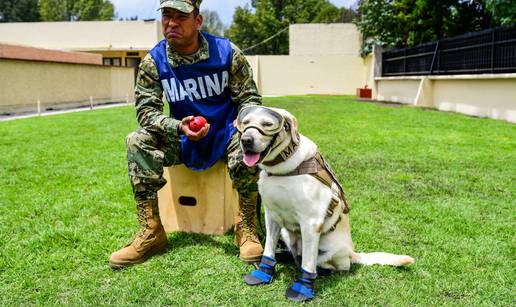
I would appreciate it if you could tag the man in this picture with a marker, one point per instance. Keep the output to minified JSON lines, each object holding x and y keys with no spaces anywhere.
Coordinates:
{"x":199,"y":74}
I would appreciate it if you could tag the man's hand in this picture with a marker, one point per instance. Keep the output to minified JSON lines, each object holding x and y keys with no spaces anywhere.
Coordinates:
{"x":191,"y":135}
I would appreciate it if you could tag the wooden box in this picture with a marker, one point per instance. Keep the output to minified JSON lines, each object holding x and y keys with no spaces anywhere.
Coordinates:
{"x":201,"y":202}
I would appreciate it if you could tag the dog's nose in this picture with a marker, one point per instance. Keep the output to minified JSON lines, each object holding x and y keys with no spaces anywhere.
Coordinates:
{"x":246,"y":140}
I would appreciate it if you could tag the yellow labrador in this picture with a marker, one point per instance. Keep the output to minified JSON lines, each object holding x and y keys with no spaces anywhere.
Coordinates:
{"x":303,"y":202}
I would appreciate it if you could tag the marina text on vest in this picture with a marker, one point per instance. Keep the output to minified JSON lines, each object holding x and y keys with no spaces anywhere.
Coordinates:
{"x":195,"y":88}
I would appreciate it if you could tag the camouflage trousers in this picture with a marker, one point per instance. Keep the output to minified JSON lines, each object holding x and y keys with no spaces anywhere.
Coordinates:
{"x":148,"y":153}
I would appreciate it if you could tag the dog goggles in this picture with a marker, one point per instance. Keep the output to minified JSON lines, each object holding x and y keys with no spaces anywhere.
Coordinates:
{"x":264,"y":127}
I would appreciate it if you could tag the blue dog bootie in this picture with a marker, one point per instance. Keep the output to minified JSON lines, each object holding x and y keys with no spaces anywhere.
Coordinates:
{"x":264,"y":273}
{"x":303,"y":289}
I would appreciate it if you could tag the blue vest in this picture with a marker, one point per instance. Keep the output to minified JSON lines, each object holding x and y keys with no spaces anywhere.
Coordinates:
{"x":201,"y":89}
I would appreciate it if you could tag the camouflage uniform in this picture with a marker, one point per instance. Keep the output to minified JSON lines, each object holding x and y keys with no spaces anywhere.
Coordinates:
{"x":185,"y":6}
{"x":156,"y":144}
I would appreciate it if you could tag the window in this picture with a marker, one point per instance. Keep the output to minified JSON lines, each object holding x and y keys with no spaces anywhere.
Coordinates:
{"x":112,"y":61}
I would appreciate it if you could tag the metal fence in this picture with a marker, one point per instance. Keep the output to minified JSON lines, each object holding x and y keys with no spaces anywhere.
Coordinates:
{"x":487,"y":51}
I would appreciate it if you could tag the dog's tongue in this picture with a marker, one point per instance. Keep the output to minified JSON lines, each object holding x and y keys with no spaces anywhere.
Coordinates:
{"x":251,"y":158}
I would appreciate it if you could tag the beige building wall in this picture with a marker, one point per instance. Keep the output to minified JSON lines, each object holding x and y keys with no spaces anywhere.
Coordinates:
{"x":302,"y":75}
{"x":23,"y":83}
{"x":487,"y":95}
{"x":120,"y":43}
{"x":493,"y":97}
{"x":84,"y":36}
{"x":324,"y":39}
{"x":397,"y":90}
{"x":323,"y":59}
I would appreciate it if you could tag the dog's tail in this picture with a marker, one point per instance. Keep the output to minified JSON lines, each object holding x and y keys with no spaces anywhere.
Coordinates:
{"x":381,"y":258}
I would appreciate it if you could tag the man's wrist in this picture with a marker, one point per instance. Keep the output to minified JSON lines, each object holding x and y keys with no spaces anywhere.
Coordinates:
{"x":180,"y":129}
{"x":171,"y":129}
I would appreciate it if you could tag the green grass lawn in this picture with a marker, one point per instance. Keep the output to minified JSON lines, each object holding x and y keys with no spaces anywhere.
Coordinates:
{"x":437,"y":186}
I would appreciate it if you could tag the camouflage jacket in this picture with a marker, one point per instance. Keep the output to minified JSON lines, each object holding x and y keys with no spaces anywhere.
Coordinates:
{"x":149,"y":91}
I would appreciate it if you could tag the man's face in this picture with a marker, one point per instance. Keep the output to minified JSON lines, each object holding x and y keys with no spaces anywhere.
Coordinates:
{"x":180,"y":29}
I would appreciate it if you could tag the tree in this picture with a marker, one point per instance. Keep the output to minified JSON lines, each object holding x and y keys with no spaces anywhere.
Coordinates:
{"x":428,"y":20}
{"x":377,"y":24}
{"x":266,"y":18}
{"x":19,"y":10}
{"x":503,"y":12}
{"x":55,"y":10}
{"x":212,"y":23}
{"x":129,"y":18}
{"x":347,"y":15}
{"x":243,"y":29}
{"x":81,"y":10}
{"x":402,"y":23}
{"x":93,"y":10}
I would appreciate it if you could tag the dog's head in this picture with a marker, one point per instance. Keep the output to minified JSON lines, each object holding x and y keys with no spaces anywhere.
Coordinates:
{"x":265,"y":132}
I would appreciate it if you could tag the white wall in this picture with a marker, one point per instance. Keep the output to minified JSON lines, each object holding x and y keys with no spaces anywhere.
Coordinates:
{"x":494,"y":97}
{"x":487,"y":95}
{"x":325,"y":39}
{"x":301,"y":75}
{"x":23,"y":83}
{"x":324,"y":59}
{"x":84,"y":35}
{"x":397,"y":90}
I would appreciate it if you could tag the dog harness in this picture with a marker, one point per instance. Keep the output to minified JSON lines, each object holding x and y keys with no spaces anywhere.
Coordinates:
{"x":317,"y":167}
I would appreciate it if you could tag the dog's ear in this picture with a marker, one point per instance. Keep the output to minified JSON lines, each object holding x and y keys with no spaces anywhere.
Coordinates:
{"x":291,"y":123}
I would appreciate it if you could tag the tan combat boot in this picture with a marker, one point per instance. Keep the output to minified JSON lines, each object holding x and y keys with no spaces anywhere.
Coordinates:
{"x":150,"y":240}
{"x":246,"y":237}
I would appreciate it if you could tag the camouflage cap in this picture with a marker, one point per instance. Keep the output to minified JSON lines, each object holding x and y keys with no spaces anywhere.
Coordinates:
{"x":185,"y":6}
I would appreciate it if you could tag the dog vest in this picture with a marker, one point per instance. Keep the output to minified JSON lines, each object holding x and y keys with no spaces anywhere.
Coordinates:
{"x":200,"y":89}
{"x":317,"y":167}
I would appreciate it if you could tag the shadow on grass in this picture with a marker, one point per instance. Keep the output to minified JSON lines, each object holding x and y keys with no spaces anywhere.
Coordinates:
{"x":326,"y":283}
{"x":178,"y":240}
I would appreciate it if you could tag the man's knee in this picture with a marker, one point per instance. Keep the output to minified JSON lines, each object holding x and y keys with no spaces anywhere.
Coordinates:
{"x":144,"y":156}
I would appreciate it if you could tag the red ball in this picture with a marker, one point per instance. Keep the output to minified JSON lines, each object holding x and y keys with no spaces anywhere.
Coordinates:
{"x":197,"y":123}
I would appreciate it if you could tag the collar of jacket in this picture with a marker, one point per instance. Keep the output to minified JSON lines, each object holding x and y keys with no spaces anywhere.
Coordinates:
{"x":175,"y":59}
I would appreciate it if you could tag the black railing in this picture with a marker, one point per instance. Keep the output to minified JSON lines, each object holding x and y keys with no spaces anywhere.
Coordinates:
{"x":487,"y":51}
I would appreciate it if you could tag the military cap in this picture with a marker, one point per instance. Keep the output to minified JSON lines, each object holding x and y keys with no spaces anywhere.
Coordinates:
{"x":185,"y":6}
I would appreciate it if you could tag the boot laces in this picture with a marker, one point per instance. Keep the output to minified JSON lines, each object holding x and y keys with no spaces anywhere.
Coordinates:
{"x":247,"y":223}
{"x":143,"y":220}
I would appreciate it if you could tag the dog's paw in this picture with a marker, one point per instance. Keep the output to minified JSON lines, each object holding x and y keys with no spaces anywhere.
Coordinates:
{"x":303,"y":289}
{"x":300,"y":293}
{"x":257,"y":277}
{"x":264,"y":273}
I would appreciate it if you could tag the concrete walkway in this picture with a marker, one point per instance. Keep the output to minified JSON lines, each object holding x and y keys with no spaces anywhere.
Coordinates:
{"x":4,"y":118}
{"x":49,"y":113}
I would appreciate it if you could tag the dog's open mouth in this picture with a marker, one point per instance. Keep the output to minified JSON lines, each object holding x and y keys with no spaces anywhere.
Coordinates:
{"x":253,"y":158}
